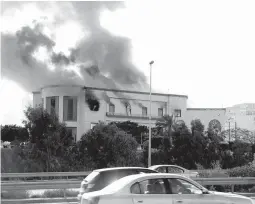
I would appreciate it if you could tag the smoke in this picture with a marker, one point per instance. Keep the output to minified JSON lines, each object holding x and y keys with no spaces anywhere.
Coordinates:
{"x":60,"y":58}
{"x":112,"y":53}
{"x":106,"y":98}
{"x":100,"y":59}
{"x":92,"y":100}
{"x":20,"y":64}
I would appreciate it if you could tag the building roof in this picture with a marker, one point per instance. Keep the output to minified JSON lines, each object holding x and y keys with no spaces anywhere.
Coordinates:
{"x":135,"y":92}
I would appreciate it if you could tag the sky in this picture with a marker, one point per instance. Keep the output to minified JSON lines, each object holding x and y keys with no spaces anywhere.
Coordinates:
{"x":203,"y":49}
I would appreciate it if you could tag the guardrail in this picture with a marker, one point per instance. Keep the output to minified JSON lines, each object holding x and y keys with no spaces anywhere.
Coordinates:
{"x":65,"y":174}
{"x":44,"y":174}
{"x":69,"y":184}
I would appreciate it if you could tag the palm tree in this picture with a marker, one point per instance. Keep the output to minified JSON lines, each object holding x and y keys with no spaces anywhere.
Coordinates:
{"x":166,"y":123}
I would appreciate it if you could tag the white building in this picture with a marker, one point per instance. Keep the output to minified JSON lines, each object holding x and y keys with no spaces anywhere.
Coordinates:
{"x":70,"y":104}
{"x":241,"y":116}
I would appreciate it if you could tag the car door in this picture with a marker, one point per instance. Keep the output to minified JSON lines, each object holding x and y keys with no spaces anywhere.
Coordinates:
{"x":151,"y":191}
{"x":184,"y":192}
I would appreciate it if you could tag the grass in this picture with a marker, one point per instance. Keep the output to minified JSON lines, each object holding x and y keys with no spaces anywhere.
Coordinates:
{"x":59,"y":193}
{"x":23,"y":194}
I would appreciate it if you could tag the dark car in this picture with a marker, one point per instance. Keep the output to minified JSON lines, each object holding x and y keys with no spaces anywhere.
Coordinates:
{"x":100,"y":178}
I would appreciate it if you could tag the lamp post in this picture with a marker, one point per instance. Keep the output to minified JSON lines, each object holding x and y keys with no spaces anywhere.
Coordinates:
{"x":149,"y":150}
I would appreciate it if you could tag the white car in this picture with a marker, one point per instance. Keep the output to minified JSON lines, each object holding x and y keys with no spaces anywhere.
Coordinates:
{"x":174,"y":169}
{"x":159,"y":188}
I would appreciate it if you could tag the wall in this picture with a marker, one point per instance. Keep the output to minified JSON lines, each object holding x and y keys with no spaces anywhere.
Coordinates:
{"x":205,"y":115}
{"x":62,"y":91}
{"x":37,"y":99}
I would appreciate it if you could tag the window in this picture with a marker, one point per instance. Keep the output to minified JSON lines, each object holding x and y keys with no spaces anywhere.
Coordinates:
{"x":180,"y":186}
{"x":128,"y":109}
{"x":173,"y":169}
{"x":70,"y":108}
{"x":73,"y":132}
{"x":162,"y":169}
{"x":177,"y":113}
{"x":248,"y":112}
{"x":144,"y":111}
{"x":112,"y":108}
{"x":160,"y":112}
{"x":52,"y":105}
{"x":151,"y":186}
{"x":135,"y":189}
{"x":42,"y":102}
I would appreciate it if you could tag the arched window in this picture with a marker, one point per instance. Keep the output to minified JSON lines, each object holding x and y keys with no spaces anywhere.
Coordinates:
{"x":215,"y":125}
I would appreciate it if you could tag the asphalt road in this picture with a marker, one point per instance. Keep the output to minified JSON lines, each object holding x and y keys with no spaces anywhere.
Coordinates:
{"x":77,"y":203}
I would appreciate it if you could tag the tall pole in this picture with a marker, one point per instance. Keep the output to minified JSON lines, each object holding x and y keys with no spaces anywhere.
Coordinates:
{"x":229,"y":131}
{"x":235,"y":131}
{"x":149,"y":150}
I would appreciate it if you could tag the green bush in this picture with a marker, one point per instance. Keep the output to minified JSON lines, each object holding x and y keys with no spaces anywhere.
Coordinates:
{"x":59,"y":193}
{"x":242,"y":171}
{"x":14,"y":194}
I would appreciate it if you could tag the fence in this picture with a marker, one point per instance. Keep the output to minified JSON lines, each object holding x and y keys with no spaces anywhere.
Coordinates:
{"x":69,"y":184}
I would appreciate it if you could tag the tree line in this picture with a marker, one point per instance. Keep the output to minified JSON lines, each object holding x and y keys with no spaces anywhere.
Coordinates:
{"x":45,"y":145}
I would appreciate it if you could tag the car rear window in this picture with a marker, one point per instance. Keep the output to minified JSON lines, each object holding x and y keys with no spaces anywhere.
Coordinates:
{"x":91,"y":176}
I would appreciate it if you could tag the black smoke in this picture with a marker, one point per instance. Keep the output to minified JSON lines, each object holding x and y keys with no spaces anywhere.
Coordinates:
{"x":110,"y":53}
{"x":91,"y":100}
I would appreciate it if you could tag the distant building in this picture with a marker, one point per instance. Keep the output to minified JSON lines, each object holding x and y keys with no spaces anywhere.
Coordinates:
{"x":81,"y":108}
{"x":241,"y":116}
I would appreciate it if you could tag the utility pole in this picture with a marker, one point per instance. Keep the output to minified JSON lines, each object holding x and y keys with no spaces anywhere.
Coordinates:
{"x":235,"y":131}
{"x":149,"y":150}
{"x":229,"y":131}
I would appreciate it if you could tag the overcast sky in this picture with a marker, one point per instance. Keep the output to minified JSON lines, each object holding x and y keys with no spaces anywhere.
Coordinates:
{"x":204,"y":49}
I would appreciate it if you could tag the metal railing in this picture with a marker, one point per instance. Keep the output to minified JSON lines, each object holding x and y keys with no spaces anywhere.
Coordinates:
{"x":44,"y":174}
{"x":67,"y":184}
{"x":72,"y":184}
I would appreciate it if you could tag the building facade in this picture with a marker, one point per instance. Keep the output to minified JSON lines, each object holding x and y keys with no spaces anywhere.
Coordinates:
{"x":241,"y":116}
{"x":83,"y":107}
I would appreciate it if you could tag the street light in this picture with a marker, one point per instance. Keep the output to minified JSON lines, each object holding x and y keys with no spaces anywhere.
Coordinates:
{"x":149,"y":150}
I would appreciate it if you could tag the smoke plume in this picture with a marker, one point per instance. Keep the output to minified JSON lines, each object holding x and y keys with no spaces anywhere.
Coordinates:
{"x":101,"y":48}
{"x":92,"y":100}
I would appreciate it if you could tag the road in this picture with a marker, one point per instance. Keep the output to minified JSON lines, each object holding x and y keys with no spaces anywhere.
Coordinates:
{"x":77,"y":203}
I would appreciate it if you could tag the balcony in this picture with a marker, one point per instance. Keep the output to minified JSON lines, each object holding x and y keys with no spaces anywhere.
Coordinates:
{"x":134,"y":116}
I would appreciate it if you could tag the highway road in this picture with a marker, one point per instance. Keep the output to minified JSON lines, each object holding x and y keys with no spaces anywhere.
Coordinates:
{"x":77,"y":203}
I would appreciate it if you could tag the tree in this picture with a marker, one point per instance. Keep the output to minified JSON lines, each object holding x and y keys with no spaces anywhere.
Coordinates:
{"x":166,"y":123}
{"x":182,"y":151}
{"x":132,"y":128}
{"x":107,"y":145}
{"x":239,"y":134}
{"x":197,"y":126}
{"x":14,"y":132}
{"x":242,"y":153}
{"x":48,"y":140}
